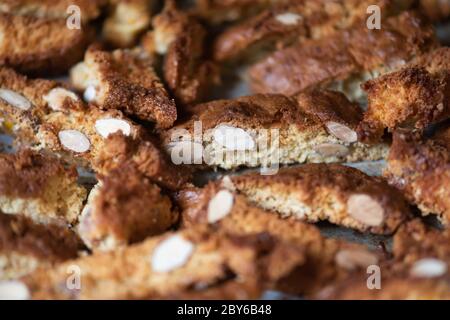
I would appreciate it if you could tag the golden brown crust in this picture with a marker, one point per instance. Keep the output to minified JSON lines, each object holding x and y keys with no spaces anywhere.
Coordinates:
{"x":421,"y":170}
{"x":342,"y":55}
{"x":41,"y":46}
{"x":436,"y":10}
{"x":125,"y":80}
{"x":124,"y":208}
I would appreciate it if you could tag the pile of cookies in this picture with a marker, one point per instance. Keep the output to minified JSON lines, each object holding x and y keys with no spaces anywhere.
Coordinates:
{"x":136,"y":92}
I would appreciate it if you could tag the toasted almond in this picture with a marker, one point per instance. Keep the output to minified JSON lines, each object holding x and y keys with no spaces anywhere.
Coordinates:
{"x":15,"y":99}
{"x":331,"y":150}
{"x":55,"y":98}
{"x":172,"y":253}
{"x":233,"y":139}
{"x":342,"y":132}
{"x":105,"y":127}
{"x":365,"y":209}
{"x":90,"y":93}
{"x":353,"y":259}
{"x":13,"y":290}
{"x":429,"y":268}
{"x":220,"y":206}
{"x":288,"y":18}
{"x":228,"y":184}
{"x":74,"y":140}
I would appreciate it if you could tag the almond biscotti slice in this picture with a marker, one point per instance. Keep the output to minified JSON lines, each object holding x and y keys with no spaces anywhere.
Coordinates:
{"x":420,"y":168}
{"x":271,"y":130}
{"x":40,"y":45}
{"x":40,"y":187}
{"x":124,"y":208}
{"x":296,"y":21}
{"x":25,"y":246}
{"x":341,"y":195}
{"x":126,"y":21}
{"x":181,"y":39}
{"x":124,"y":80}
{"x":413,"y":97}
{"x":327,"y":260}
{"x":190,"y":260}
{"x":345,"y":59}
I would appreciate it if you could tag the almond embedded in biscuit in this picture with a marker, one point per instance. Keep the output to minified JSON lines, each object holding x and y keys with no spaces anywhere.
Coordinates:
{"x":55,"y":98}
{"x":90,"y":93}
{"x":288,"y":18}
{"x":365,"y":209}
{"x":74,"y":140}
{"x":220,"y":206}
{"x":429,"y":268}
{"x":15,"y":99}
{"x":342,"y":132}
{"x":172,"y":253}
{"x":331,"y":150}
{"x":352,"y":259}
{"x":233,"y":139}
{"x":13,"y":290}
{"x":105,"y":127}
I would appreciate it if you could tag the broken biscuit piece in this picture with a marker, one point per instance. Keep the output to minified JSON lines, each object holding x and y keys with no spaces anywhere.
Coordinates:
{"x":39,"y":187}
{"x":39,"y":46}
{"x":344,"y":60}
{"x":124,"y":208}
{"x":124,"y":80}
{"x":436,"y":10}
{"x":411,"y":98}
{"x":314,"y":192}
{"x":25,"y":246}
{"x":126,"y":21}
{"x":420,"y":168}
{"x":269,"y":130}
{"x":190,"y":260}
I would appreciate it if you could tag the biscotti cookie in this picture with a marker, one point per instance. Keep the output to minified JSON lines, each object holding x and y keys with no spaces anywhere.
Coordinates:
{"x":181,"y":39}
{"x":126,"y":21}
{"x":413,"y":97}
{"x":124,"y":80}
{"x":189,"y":260}
{"x":88,"y":9}
{"x":268,"y":130}
{"x":39,"y":187}
{"x":123,"y":208}
{"x":39,"y":45}
{"x":327,"y":260}
{"x":345,"y":59}
{"x":436,"y":10}
{"x":287,"y":24}
{"x":420,"y":168}
{"x":25,"y":246}
{"x":342,"y":195}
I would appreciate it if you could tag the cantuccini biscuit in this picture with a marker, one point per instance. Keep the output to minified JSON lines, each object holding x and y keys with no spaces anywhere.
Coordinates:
{"x":436,"y":10}
{"x":40,"y":45}
{"x":345,"y":59}
{"x":39,"y":187}
{"x":342,"y":195}
{"x":25,"y":246}
{"x":413,"y":97}
{"x":287,"y":24}
{"x":190,"y":260}
{"x":267,"y":130}
{"x":126,"y":21}
{"x":327,"y":260}
{"x":124,"y":80}
{"x":420,"y":168}
{"x":123,"y":208}
{"x":181,"y":39}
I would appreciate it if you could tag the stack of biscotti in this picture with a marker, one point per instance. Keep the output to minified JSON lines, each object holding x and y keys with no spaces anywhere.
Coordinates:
{"x":146,"y":111}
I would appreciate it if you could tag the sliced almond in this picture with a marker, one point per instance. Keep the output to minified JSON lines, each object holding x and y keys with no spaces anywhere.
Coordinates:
{"x":74,"y":140}
{"x":228,"y":184}
{"x":105,"y":127}
{"x":331,"y":150}
{"x":365,"y":209}
{"x":354,"y":259}
{"x":288,"y":18}
{"x":233,"y":139}
{"x":172,"y":253}
{"x":15,"y":99}
{"x":429,"y":268}
{"x":55,"y":98}
{"x":90,"y":94}
{"x":342,"y":132}
{"x":220,"y":206}
{"x":13,"y":290}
